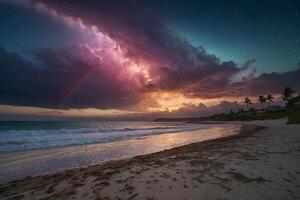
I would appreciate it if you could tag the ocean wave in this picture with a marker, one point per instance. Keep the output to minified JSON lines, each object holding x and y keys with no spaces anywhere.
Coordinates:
{"x":21,"y":140}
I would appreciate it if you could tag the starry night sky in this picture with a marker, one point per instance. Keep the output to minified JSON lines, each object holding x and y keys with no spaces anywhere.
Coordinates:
{"x":203,"y":42}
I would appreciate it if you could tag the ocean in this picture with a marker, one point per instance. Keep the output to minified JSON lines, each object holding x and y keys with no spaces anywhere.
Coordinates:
{"x":22,"y":136}
{"x":33,"y":148}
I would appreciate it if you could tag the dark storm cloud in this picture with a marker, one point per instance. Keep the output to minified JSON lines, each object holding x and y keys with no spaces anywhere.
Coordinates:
{"x":73,"y":77}
{"x":175,"y":63}
{"x":266,"y":83}
{"x":63,"y":78}
{"x":273,"y":82}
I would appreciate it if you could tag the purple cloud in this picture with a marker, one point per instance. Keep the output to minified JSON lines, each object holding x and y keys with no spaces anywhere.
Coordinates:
{"x":80,"y":76}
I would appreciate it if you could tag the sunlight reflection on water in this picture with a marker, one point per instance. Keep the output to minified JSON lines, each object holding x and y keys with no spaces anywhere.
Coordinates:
{"x":21,"y":164}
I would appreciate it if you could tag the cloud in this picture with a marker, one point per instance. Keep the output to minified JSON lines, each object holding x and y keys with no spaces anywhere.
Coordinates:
{"x":64,"y":78}
{"x":199,"y":110}
{"x":144,"y":37}
{"x":137,"y":54}
{"x":173,"y":63}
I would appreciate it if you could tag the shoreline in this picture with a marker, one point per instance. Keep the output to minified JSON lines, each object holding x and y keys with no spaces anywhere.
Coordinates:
{"x":161,"y":175}
{"x":19,"y":165}
{"x":103,"y":142}
{"x":244,"y":131}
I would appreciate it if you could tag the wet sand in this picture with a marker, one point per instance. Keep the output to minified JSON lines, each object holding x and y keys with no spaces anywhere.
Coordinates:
{"x":258,"y":163}
{"x":18,"y":165}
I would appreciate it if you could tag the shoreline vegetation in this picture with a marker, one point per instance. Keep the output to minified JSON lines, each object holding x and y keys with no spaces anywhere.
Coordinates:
{"x":291,"y":110}
{"x":260,"y":160}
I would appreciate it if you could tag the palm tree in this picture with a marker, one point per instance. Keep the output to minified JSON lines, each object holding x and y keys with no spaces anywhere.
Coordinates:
{"x":262,"y":100}
{"x":288,"y":94}
{"x":269,"y":99}
{"x":247,"y":102}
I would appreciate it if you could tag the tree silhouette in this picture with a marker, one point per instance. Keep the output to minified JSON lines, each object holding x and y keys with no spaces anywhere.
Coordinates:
{"x":247,"y":102}
{"x":262,"y":100}
{"x":287,"y":94}
{"x":269,"y":99}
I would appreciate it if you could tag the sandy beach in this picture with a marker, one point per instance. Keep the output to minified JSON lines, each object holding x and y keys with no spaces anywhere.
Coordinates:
{"x":263,"y":162}
{"x":18,"y":165}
